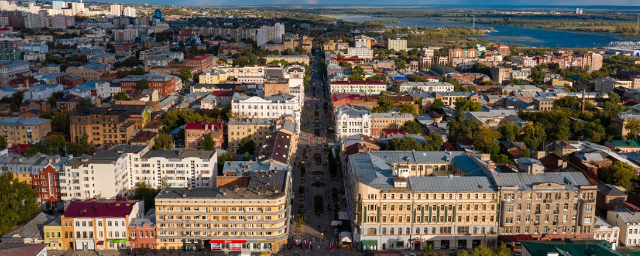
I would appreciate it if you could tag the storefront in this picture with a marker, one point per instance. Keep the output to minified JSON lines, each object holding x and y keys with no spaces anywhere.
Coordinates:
{"x":369,"y":245}
{"x":240,"y":245}
{"x":117,"y":244}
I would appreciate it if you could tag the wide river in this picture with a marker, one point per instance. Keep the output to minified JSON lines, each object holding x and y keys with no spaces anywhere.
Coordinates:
{"x":509,"y":35}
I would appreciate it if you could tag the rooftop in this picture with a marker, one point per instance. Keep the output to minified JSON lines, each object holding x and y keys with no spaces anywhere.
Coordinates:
{"x":100,"y":208}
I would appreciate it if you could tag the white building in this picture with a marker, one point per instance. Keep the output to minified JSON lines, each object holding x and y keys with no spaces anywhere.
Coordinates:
{"x":58,"y":5}
{"x":261,"y":37}
{"x":35,"y":46}
{"x":129,"y":12}
{"x":119,"y":170}
{"x":366,"y":87}
{"x":629,"y":224}
{"x":278,"y":31}
{"x":42,"y":91}
{"x":350,"y":121}
{"x":361,"y":52}
{"x":605,"y":231}
{"x":271,"y":107}
{"x":116,"y":9}
{"x":426,"y":87}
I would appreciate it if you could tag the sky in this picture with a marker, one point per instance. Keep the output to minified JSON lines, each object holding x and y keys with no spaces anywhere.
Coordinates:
{"x":397,"y":2}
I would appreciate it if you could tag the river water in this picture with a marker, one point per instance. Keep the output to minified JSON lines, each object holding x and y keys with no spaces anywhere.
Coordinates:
{"x":508,"y":35}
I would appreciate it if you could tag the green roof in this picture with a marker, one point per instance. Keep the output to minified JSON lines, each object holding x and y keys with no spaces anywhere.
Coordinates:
{"x":625,"y":143}
{"x":369,"y":242}
{"x":570,"y":247}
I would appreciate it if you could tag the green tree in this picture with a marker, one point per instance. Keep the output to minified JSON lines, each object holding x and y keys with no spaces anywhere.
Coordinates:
{"x":408,"y":108}
{"x":428,"y":251}
{"x":121,"y":96}
{"x":146,"y":193}
{"x":185,"y":75}
{"x":142,"y":84}
{"x":509,"y":132}
{"x":165,"y":142}
{"x":3,"y":142}
{"x":384,"y":105}
{"x":437,"y":106}
{"x":377,"y":77}
{"x":223,"y":158}
{"x":633,"y":127}
{"x":411,"y":127}
{"x":434,"y":142}
{"x":536,"y":76}
{"x":247,"y":146}
{"x":208,"y":143}
{"x":534,"y":135}
{"x":619,"y":173}
{"x":401,"y":64}
{"x":484,"y":140}
{"x":404,"y":144}
{"x":467,"y":105}
{"x":357,"y":74}
{"x":19,"y":202}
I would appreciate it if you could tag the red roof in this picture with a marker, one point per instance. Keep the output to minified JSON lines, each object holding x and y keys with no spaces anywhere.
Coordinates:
{"x":222,"y":93}
{"x":22,"y":249}
{"x":200,"y":57}
{"x":360,"y":82}
{"x":348,"y":59}
{"x":351,"y":96}
{"x":20,"y":148}
{"x":201,"y":126}
{"x":100,"y":208}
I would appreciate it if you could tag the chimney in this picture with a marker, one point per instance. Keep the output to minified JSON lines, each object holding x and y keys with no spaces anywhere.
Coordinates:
{"x":93,"y":200}
{"x":271,"y":162}
{"x":492,"y":165}
{"x":184,"y":193}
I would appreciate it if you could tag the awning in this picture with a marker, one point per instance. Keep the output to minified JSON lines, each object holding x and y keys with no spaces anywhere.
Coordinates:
{"x":117,"y":241}
{"x":369,"y":242}
{"x":100,"y":242}
{"x":345,"y":239}
{"x":336,"y":223}
{"x":515,"y":238}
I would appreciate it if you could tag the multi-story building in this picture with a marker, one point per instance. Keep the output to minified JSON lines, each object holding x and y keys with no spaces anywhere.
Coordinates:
{"x":165,"y":84}
{"x":194,"y":133}
{"x":537,"y":204}
{"x":426,"y":87}
{"x":413,"y":200}
{"x":53,"y":234}
{"x":397,"y":44}
{"x":102,"y":125}
{"x":629,"y":224}
{"x":41,"y":105}
{"x":351,"y":121}
{"x":274,"y":106}
{"x":605,"y":231}
{"x":388,"y":122}
{"x":99,"y":224}
{"x":11,"y":69}
{"x":129,"y":12}
{"x":201,"y":62}
{"x":363,"y":41}
{"x":366,"y":87}
{"x":248,"y":210}
{"x":254,"y":128}
{"x":116,"y":9}
{"x":360,"y":52}
{"x":10,"y":42}
{"x":449,"y":98}
{"x":302,"y":59}
{"x":142,"y":232}
{"x":621,"y":120}
{"x":335,"y":46}
{"x":278,"y":32}
{"x":24,"y":130}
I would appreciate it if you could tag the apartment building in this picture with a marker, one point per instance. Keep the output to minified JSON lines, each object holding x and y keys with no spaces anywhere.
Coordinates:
{"x":449,"y":98}
{"x":426,"y":87}
{"x":622,"y":119}
{"x":302,"y":59}
{"x":194,"y":133}
{"x":388,"y":122}
{"x":102,"y":125}
{"x":165,"y":84}
{"x":256,"y":129}
{"x":629,"y":224}
{"x":602,"y":230}
{"x":11,"y":69}
{"x":97,"y":225}
{"x":201,"y":62}
{"x":274,"y":106}
{"x":177,"y":168}
{"x":554,"y":205}
{"x":366,"y":87}
{"x":397,"y":44}
{"x":351,"y":121}
{"x":24,"y":130}
{"x":413,"y":200}
{"x":142,"y":232}
{"x":360,"y":52}
{"x":248,"y":210}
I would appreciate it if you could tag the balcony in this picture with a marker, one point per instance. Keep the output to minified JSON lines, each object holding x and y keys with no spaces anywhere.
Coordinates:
{"x":536,"y":223}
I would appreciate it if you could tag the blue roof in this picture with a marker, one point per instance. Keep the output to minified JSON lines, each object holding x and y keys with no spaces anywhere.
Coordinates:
{"x":400,"y":78}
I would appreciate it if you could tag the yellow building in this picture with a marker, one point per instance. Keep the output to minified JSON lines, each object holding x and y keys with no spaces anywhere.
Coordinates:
{"x":247,"y":213}
{"x":53,"y":235}
{"x":256,"y":129}
{"x":214,"y":77}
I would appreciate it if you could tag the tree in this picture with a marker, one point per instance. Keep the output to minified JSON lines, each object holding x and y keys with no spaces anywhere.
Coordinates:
{"x":437,"y":106}
{"x":428,"y":251}
{"x":408,"y":108}
{"x":534,"y":135}
{"x":165,"y":142}
{"x":357,"y":74}
{"x":633,"y":127}
{"x":434,"y":142}
{"x":142,"y":84}
{"x":185,"y":75}
{"x":63,"y":67}
{"x":411,"y":127}
{"x":619,"y":173}
{"x":536,"y":76}
{"x":223,"y":158}
{"x":121,"y":96}
{"x":19,"y":202}
{"x":384,"y":105}
{"x":509,"y":131}
{"x":247,"y":146}
{"x":146,"y":193}
{"x":404,"y":144}
{"x":467,"y":105}
{"x":3,"y":143}
{"x":208,"y":143}
{"x":484,"y":140}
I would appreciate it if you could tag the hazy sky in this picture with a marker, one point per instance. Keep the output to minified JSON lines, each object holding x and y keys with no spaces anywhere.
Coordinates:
{"x":396,"y":2}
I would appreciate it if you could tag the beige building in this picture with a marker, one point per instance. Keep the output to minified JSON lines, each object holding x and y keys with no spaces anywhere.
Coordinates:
{"x":388,"y":122}
{"x":102,"y":125}
{"x":85,"y":73}
{"x":302,"y":59}
{"x":248,"y":213}
{"x":256,"y":129}
{"x":397,"y":44}
{"x":24,"y":130}
{"x":412,"y":200}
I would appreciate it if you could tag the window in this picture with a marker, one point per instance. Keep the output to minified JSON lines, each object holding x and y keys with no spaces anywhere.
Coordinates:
{"x":588,"y":208}
{"x":587,"y":220}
